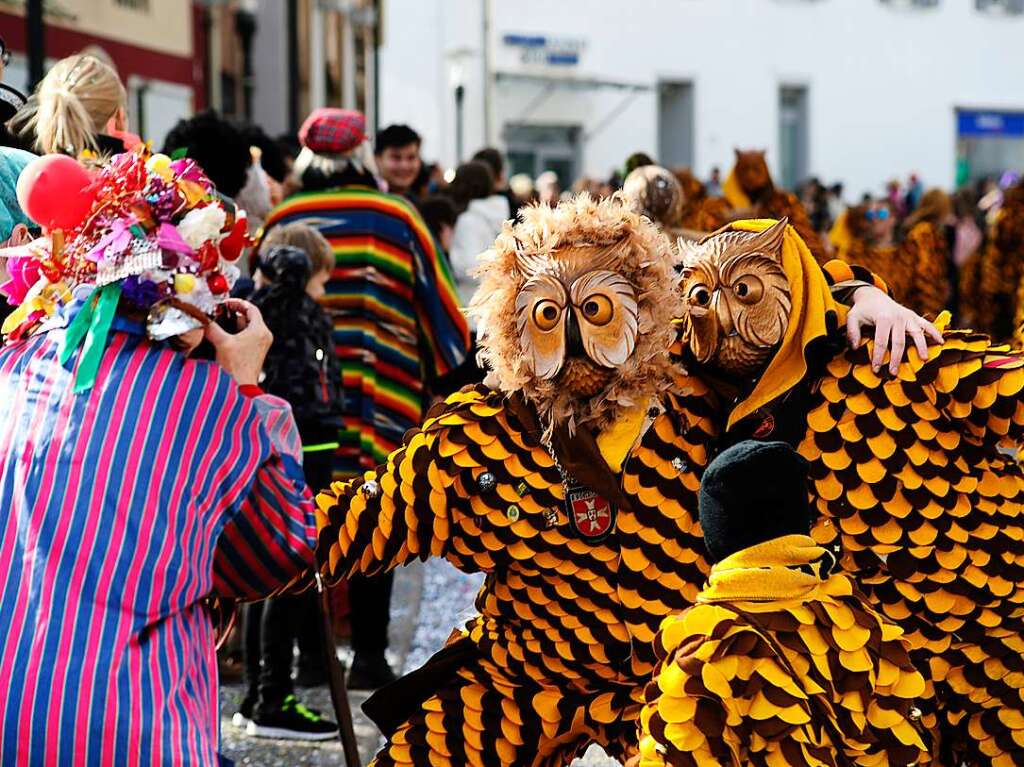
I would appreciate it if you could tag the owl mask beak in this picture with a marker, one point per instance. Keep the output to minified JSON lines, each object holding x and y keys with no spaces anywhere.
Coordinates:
{"x":704,"y":333}
{"x":573,"y":339}
{"x":724,"y":315}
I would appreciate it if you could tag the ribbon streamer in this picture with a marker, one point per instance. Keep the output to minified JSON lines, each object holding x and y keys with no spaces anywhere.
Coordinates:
{"x":89,"y":329}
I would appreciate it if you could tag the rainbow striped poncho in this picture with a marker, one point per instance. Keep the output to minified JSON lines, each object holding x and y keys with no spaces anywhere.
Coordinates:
{"x":395,"y":310}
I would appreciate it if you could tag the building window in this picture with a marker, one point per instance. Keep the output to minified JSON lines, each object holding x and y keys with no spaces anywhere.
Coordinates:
{"x":135,"y":5}
{"x":675,"y":124}
{"x":793,"y":134}
{"x":1007,"y":7}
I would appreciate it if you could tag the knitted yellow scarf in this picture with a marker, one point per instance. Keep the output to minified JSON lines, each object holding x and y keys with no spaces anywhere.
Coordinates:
{"x":790,"y":567}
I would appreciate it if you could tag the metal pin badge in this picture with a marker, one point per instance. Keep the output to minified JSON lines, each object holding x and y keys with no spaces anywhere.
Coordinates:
{"x":915,"y":713}
{"x":512,"y":513}
{"x":370,"y":489}
{"x":486,"y":482}
{"x":522,"y":489}
{"x":678,"y":464}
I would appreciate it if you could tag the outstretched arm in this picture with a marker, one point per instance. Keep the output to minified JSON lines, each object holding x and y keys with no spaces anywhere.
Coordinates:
{"x":873,"y":306}
{"x":388,"y":517}
{"x":471,"y":486}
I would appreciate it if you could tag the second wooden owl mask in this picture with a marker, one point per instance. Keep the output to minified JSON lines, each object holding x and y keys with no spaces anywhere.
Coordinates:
{"x":737,"y":298}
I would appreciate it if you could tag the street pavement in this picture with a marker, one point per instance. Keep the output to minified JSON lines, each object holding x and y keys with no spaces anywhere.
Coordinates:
{"x":430,"y":599}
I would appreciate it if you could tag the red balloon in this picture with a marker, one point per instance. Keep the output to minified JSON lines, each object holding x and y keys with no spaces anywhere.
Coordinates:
{"x":56,"y":191}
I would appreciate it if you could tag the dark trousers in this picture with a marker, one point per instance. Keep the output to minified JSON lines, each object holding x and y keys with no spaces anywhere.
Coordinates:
{"x":273,"y":627}
{"x":370,"y":602}
{"x":271,"y":630}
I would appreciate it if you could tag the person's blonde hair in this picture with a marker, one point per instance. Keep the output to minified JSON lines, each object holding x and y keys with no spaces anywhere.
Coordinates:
{"x":306,"y":239}
{"x":72,"y":104}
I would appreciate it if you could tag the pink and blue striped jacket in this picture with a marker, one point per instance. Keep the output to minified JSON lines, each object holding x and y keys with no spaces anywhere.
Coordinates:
{"x":122,"y":508}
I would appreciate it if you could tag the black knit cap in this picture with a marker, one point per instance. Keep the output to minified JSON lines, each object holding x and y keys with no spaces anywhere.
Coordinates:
{"x":751,"y":493}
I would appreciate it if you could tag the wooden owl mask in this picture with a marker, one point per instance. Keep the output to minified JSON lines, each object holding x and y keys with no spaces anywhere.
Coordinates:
{"x":574,"y":310}
{"x":574,"y":313}
{"x":737,"y":298}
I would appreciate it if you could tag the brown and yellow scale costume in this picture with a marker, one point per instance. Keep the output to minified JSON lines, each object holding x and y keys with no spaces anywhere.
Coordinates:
{"x":929,"y":511}
{"x":914,"y":485}
{"x":781,"y":664}
{"x":563,"y":643}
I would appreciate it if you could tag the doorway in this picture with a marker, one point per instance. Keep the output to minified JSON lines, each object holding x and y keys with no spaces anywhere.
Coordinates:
{"x":793,"y":135}
{"x":675,"y":124}
{"x":534,"y":149}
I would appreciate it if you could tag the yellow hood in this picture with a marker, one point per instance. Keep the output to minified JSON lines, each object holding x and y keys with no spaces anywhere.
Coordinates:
{"x":808,"y":320}
{"x":733,"y":192}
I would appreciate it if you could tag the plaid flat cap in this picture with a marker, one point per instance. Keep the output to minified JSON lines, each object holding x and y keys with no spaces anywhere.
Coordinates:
{"x":329,"y":130}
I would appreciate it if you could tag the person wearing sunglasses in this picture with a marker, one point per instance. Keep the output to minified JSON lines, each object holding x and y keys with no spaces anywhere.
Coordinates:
{"x":881,"y":224}
{"x":870,"y":241}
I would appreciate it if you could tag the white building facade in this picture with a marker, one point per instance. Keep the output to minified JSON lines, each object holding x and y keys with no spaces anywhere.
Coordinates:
{"x":854,"y":90}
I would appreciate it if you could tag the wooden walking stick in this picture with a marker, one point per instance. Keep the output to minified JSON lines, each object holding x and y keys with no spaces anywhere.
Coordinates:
{"x":339,"y":691}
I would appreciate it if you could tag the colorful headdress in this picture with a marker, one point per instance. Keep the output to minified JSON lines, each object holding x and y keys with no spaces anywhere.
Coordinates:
{"x":156,"y":240}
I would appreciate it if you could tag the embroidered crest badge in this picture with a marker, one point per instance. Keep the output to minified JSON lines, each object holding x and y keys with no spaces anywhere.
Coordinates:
{"x":590,"y":515}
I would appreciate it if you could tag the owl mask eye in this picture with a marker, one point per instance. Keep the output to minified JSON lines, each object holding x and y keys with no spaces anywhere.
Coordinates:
{"x":605,"y":308}
{"x":546,"y":314}
{"x":540,"y":321}
{"x":749,"y":289}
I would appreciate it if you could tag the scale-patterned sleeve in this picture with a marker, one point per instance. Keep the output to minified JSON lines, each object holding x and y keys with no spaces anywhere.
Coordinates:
{"x":391,"y":515}
{"x":468,"y":486}
{"x":839,"y":273}
{"x":723,"y":696}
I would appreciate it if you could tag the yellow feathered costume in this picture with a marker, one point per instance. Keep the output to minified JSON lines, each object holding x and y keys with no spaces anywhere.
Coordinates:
{"x":783,"y":666}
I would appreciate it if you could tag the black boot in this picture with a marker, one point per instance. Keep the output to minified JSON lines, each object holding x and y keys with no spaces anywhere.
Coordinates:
{"x":370,"y":671}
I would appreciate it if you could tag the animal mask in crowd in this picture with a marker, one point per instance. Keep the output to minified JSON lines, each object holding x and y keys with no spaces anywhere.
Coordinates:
{"x":656,"y":193}
{"x":738,"y":298}
{"x":752,"y":171}
{"x":575,"y":310}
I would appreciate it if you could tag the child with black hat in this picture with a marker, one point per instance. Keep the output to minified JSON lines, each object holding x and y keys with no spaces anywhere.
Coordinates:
{"x":780,"y":662}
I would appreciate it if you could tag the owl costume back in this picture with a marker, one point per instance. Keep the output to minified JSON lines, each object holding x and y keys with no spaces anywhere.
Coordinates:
{"x":911,"y":473}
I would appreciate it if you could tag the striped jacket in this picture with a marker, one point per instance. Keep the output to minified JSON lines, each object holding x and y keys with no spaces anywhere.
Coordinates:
{"x":393,"y":302}
{"x":122,"y":509}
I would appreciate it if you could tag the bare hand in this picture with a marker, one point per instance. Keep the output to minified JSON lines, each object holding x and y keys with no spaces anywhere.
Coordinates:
{"x":893,"y":323}
{"x":242,"y":354}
